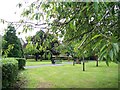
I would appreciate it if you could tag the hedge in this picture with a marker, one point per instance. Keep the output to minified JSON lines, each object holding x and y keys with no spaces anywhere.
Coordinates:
{"x":21,"y":63}
{"x":9,"y":72}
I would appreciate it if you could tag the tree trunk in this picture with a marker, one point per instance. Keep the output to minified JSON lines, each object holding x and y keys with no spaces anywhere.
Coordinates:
{"x":41,"y":58}
{"x":79,"y":61}
{"x":96,"y":58}
{"x":68,"y":59}
{"x":96,"y":62}
{"x":52,"y":60}
{"x":74,"y":61}
{"x":83,"y":64}
{"x":36,"y":57}
{"x":46,"y":56}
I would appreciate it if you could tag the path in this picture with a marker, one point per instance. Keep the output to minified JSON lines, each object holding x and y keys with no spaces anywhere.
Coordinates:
{"x":44,"y":65}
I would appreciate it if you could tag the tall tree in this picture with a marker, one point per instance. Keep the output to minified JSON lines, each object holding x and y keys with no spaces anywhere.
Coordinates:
{"x":38,"y":40}
{"x":10,"y":38}
{"x":93,"y":25}
{"x":43,"y":43}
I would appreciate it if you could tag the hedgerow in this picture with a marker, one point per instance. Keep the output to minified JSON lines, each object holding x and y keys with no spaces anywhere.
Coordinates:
{"x":21,"y":63}
{"x":9,"y":72}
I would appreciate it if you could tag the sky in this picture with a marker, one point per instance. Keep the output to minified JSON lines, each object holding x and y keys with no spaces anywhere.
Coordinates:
{"x":8,"y":9}
{"x":10,"y":12}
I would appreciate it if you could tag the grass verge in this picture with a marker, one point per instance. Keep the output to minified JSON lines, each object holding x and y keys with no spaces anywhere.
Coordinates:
{"x":68,"y":76}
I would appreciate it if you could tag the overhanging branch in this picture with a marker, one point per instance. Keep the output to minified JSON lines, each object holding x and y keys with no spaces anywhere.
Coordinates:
{"x":90,"y":31}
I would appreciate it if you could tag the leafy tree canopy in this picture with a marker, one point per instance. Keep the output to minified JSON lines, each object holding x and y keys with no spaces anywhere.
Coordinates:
{"x":42,"y":43}
{"x":93,"y":27}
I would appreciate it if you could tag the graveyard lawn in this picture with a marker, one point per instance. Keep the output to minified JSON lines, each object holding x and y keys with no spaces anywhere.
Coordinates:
{"x":69,"y":76}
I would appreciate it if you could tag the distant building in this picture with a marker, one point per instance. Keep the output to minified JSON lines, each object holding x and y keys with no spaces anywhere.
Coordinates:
{"x":23,"y":43}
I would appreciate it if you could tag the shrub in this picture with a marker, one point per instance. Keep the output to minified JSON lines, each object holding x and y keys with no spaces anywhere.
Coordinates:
{"x":21,"y":63}
{"x":9,"y":72}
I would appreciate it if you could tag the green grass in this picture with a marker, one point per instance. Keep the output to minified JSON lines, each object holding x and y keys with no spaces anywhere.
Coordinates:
{"x":69,"y":76}
{"x":32,"y":62}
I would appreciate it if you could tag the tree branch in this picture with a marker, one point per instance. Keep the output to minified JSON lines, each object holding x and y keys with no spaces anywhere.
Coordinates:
{"x":91,"y":29}
{"x":23,"y":22}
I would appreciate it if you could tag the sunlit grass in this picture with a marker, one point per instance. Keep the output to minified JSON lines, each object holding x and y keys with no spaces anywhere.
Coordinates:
{"x":69,"y":76}
{"x":32,"y":62}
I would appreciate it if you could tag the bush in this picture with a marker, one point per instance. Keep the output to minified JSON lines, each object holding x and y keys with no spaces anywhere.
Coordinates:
{"x":9,"y":72}
{"x":21,"y":63}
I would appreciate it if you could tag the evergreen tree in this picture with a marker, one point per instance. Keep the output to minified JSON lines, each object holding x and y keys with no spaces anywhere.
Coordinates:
{"x":11,"y":39}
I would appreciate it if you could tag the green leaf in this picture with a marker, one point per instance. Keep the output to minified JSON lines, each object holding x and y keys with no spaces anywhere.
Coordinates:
{"x":107,"y":62}
{"x":113,"y":12}
{"x":111,"y":54}
{"x":113,"y":39}
{"x":33,"y":15}
{"x":114,"y":51}
{"x":103,"y":48}
{"x":96,"y":5}
{"x":96,"y":36}
{"x":37,"y":16}
{"x":102,"y":54}
{"x":96,"y":45}
{"x":116,"y":47}
{"x":72,"y":26}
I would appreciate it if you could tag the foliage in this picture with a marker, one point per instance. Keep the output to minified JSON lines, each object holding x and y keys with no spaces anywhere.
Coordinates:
{"x":21,"y":63}
{"x":38,"y":40}
{"x":11,"y":44}
{"x":6,"y":51}
{"x":41,"y":44}
{"x":93,"y":27}
{"x":9,"y":72}
{"x":44,"y":41}
{"x":30,"y":49}
{"x":47,"y":55}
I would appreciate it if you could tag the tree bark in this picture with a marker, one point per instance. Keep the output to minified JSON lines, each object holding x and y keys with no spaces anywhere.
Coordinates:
{"x":96,"y":62}
{"x":41,"y":58}
{"x":52,"y":60}
{"x":83,"y":64}
{"x":68,"y":59}
{"x":74,"y":61}
{"x":36,"y":57}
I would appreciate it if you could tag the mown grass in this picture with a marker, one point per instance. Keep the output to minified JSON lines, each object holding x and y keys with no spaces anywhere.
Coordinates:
{"x":69,"y":76}
{"x":32,"y":62}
